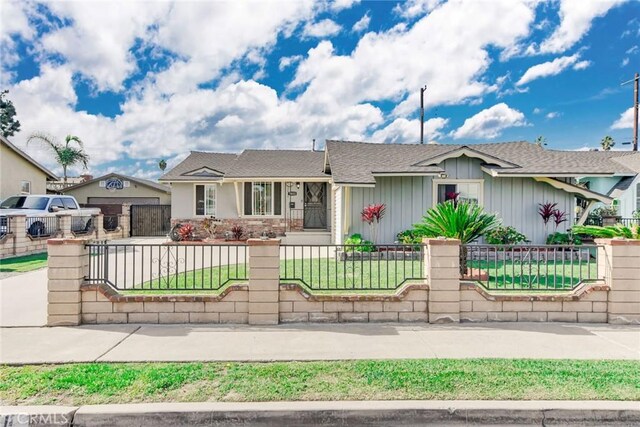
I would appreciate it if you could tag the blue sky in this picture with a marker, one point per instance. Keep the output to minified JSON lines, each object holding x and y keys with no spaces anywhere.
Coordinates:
{"x":142,"y":81}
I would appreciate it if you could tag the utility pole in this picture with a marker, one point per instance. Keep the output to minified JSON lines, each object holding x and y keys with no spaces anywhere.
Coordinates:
{"x":635,"y":109}
{"x":422,"y":91}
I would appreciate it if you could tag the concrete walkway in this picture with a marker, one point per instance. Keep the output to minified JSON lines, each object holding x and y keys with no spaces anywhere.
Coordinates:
{"x":137,"y":343}
{"x":23,"y":299}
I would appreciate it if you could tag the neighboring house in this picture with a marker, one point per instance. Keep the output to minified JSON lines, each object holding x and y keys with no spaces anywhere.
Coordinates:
{"x":110,"y":191}
{"x":59,"y":185}
{"x":19,"y":173}
{"x":295,"y":192}
{"x":623,"y":188}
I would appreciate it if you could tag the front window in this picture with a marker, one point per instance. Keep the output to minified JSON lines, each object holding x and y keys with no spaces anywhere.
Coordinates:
{"x":25,"y":187}
{"x":25,"y":202}
{"x":263,"y":198}
{"x":469,"y":191}
{"x":206,"y":200}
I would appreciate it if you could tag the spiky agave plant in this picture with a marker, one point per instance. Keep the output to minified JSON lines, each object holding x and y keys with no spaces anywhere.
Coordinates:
{"x":457,"y":220}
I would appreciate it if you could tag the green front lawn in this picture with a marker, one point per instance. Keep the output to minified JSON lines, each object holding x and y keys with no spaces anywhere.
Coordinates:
{"x":22,"y":264}
{"x":320,"y":274}
{"x":482,"y":379}
{"x":537,"y":275}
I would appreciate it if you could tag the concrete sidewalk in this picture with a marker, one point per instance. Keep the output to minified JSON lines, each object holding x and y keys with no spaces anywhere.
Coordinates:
{"x":370,"y":413}
{"x":137,"y":343}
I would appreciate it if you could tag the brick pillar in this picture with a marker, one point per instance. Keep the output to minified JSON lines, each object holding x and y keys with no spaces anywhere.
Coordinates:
{"x":442,"y":268}
{"x":64,"y":222}
{"x":264,"y":281}
{"x":98,"y":226}
{"x":18,"y":226}
{"x":68,"y":263}
{"x":619,"y":258}
{"x":124,"y":220}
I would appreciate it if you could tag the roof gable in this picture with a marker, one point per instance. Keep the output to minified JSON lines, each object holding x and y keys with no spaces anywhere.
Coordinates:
{"x":204,"y":171}
{"x":144,"y":182}
{"x":468,"y":152}
{"x":50,"y":175}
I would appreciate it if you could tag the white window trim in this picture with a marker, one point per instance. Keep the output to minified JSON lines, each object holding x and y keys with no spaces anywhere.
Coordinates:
{"x":195,"y":200}
{"x":436,"y":182}
{"x":637,"y":196}
{"x":273,"y":200}
{"x":21,"y":185}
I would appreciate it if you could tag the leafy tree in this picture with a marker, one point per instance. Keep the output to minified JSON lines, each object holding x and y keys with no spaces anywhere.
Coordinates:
{"x":8,"y":124}
{"x":162,"y":164}
{"x":541,"y":141}
{"x":66,"y":155}
{"x":607,"y":143}
{"x":457,"y":220}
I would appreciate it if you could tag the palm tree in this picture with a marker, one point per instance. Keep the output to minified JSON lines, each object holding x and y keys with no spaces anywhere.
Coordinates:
{"x":607,"y":143}
{"x":541,"y":141}
{"x":65,"y":154}
{"x":162,"y":164}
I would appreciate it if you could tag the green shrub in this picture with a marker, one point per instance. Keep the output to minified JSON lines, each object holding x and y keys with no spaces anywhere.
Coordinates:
{"x":409,"y":237}
{"x":608,"y":231}
{"x":505,"y":236}
{"x":563,"y":239}
{"x":360,"y":245}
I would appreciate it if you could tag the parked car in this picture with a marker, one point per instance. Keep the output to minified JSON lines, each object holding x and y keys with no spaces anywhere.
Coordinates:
{"x":41,"y":212}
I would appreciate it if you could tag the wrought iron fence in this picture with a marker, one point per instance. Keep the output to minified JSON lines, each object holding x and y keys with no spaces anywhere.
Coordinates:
{"x":166,"y":267}
{"x":529,"y":267}
{"x":42,"y":226}
{"x":630,"y":222}
{"x":352,"y":267}
{"x":110,"y":222}
{"x":82,"y":224}
{"x":5,"y":226}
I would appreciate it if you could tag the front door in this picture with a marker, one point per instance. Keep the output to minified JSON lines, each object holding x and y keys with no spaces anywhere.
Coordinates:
{"x":315,"y":205}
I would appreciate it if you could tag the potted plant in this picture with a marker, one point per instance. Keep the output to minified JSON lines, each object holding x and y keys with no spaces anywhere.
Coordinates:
{"x":609,"y":215}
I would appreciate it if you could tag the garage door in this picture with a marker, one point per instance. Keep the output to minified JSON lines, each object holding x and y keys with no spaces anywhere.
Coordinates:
{"x":121,"y":200}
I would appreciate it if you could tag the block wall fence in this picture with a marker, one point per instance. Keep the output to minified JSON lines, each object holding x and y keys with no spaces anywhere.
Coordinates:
{"x":265,"y":300}
{"x":19,"y":243}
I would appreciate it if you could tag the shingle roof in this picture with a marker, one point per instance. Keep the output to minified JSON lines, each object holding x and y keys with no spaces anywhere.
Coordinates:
{"x":278,"y":164}
{"x":249,"y":164}
{"x":148,"y":183}
{"x":357,"y":162}
{"x":219,"y":162}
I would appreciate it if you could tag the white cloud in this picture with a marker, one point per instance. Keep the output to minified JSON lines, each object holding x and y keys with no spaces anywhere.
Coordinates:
{"x":321,"y":29}
{"x":553,"y":115}
{"x":625,"y":62}
{"x":338,"y":5}
{"x":581,"y":65}
{"x":392,"y":65}
{"x":625,"y":121}
{"x":362,"y":24}
{"x":490,"y":123}
{"x":413,"y":8}
{"x":576,"y":17}
{"x":551,"y":68}
{"x":287,"y":61}
{"x":537,"y":110}
{"x":402,"y":130}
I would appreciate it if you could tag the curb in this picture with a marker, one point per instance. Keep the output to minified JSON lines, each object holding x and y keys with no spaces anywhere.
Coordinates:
{"x":370,"y":413}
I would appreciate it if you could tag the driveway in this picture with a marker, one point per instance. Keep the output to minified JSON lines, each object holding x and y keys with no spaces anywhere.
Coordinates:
{"x":23,"y":299}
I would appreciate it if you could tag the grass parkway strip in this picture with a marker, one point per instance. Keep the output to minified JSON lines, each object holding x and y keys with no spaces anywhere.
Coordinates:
{"x":474,"y":379}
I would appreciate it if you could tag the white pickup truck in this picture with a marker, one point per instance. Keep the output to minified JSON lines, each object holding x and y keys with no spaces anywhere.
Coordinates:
{"x":42,"y":211}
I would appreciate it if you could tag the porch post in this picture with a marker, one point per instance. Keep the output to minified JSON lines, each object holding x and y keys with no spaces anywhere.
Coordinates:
{"x":338,"y":204}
